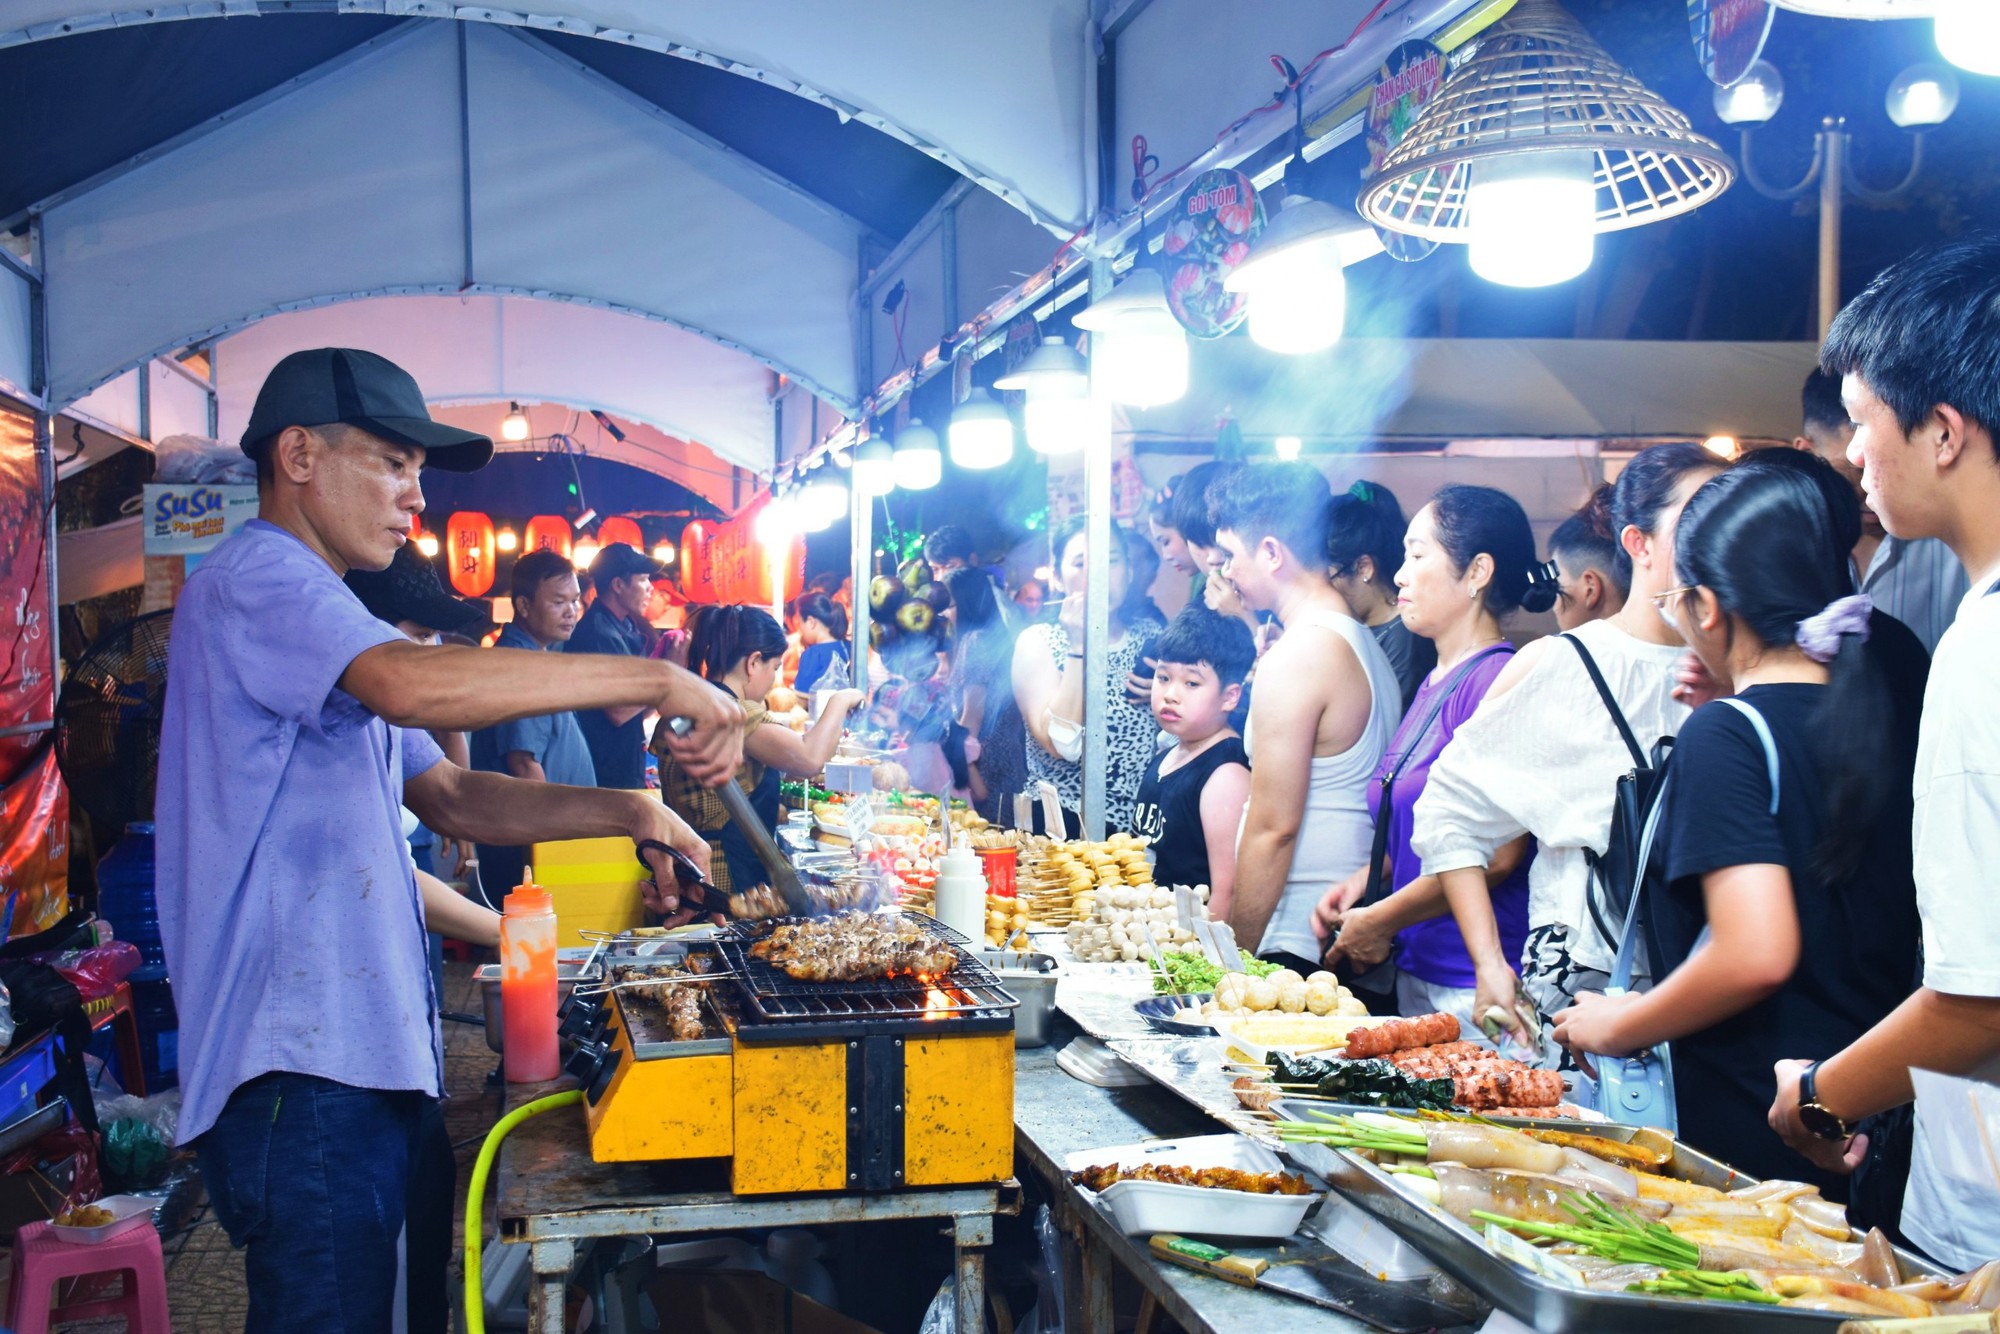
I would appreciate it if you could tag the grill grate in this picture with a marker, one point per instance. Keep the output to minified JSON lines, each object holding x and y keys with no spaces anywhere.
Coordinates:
{"x":970,"y":988}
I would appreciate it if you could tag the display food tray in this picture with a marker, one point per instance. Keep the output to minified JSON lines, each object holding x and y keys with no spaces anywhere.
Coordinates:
{"x":1543,"y":1304}
{"x":1141,"y":1208}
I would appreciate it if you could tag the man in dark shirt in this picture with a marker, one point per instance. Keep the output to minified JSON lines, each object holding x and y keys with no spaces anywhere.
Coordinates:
{"x":616,"y":624}
{"x":544,"y":749}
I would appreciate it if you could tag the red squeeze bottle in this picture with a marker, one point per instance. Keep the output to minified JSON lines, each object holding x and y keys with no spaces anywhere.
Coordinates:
{"x":528,"y":984}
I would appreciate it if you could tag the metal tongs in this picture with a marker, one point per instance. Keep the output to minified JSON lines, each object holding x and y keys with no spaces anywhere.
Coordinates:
{"x":783,"y":878}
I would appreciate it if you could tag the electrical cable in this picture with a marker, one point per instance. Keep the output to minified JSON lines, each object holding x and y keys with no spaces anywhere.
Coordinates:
{"x":475,"y":1301}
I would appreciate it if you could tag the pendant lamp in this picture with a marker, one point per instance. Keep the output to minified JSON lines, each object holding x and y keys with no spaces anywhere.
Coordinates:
{"x":919,"y":463}
{"x":981,"y":432}
{"x":1540,"y":87}
{"x":1138,"y":350}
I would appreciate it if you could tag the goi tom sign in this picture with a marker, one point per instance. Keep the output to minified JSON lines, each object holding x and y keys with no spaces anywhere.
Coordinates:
{"x":190,"y":518}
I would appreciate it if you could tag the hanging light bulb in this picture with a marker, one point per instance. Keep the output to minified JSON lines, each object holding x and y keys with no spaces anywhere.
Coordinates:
{"x":1922,"y":96}
{"x":584,"y":554}
{"x":1287,"y":447}
{"x":664,"y":553}
{"x":1754,"y":98}
{"x":428,"y":544}
{"x":776,"y":523}
{"x":918,"y":461}
{"x":1138,"y":350}
{"x":874,"y":469}
{"x":982,"y":434}
{"x":1294,"y":276}
{"x":1534,"y":217}
{"x":506,"y":539}
{"x":822,"y":500}
{"x":514,"y":426}
{"x":1968,"y":35}
{"x":1060,"y":414}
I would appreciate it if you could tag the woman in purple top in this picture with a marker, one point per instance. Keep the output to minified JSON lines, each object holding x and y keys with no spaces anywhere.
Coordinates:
{"x":1468,"y":561}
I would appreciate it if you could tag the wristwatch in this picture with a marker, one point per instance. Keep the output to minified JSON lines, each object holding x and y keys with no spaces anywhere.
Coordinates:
{"x":1820,"y":1121}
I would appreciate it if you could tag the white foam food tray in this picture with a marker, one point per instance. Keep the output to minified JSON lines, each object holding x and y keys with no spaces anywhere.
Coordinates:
{"x":1141,"y":1208}
{"x":127,"y":1212}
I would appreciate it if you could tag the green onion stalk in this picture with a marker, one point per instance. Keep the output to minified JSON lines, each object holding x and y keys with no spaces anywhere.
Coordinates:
{"x":1612,"y":1234}
{"x":1734,"y":1286}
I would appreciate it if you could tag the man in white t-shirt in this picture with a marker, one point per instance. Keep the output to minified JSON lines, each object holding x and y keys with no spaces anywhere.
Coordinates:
{"x":1920,"y":355}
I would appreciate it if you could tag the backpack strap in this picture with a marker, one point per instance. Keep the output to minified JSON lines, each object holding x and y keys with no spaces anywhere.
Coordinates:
{"x":1610,"y":701}
{"x":1628,"y":938}
{"x":1763,"y":735}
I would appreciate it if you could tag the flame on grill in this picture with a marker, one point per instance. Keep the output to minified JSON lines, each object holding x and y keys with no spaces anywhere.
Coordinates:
{"x":936,"y":1003}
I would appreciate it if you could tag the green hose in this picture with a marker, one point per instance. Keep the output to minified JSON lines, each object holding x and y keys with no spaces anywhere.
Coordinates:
{"x":475,"y":1301}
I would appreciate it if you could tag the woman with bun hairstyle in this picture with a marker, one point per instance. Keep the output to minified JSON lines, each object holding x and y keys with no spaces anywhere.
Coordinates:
{"x":1467,"y":563}
{"x":739,"y":649}
{"x":1591,"y":571}
{"x":1543,"y":756}
{"x":1792,"y":877}
{"x":1363,"y":551}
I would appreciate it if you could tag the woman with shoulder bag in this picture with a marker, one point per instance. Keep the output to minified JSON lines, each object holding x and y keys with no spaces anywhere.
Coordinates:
{"x":1468,"y":561}
{"x":1788,"y":924}
{"x":1544,"y":755}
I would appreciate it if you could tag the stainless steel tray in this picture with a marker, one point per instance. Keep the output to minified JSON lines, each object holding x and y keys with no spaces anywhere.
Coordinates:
{"x":1543,"y":1304}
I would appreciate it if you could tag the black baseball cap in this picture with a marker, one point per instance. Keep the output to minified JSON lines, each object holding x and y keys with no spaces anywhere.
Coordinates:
{"x":621,"y":560}
{"x":409,"y":591}
{"x":344,"y":384}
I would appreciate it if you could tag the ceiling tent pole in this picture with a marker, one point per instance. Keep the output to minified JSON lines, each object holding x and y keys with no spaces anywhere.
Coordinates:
{"x":1099,"y":689}
{"x":465,"y":149}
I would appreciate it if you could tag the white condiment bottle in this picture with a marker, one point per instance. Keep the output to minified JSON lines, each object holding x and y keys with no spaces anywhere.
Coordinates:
{"x":961,"y":894}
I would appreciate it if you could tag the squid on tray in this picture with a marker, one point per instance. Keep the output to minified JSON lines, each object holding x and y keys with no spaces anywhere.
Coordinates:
{"x":1779,"y":1240}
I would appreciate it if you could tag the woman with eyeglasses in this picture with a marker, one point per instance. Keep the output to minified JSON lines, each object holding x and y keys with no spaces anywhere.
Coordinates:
{"x":1789,"y":923}
{"x":1543,"y":756}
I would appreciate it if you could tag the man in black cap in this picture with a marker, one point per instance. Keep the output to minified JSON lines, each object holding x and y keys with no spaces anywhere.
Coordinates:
{"x":616,"y":624}
{"x":292,"y":917}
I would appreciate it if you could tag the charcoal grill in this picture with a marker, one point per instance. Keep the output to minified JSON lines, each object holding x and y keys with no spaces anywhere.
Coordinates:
{"x":969,"y":998}
{"x":870,"y":1086}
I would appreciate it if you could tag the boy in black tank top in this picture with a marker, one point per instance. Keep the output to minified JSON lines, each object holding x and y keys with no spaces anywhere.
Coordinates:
{"x":1190,"y":802}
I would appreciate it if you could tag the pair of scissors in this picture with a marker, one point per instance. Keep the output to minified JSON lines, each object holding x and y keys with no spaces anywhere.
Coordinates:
{"x":697,"y":891}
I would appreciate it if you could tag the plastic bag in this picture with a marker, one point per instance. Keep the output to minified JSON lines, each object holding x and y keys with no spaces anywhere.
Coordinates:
{"x":942,"y":1317}
{"x":1046,"y":1315}
{"x":194,"y":458}
{"x":6,"y":1018}
{"x":97,"y":971}
{"x":138,"y":1138}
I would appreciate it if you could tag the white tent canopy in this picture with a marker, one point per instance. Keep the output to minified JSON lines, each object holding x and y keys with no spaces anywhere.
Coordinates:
{"x":997,"y":91}
{"x":483,"y":349}
{"x":364,"y":180}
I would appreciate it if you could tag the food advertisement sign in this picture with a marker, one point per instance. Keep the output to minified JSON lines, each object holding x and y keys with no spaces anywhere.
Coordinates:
{"x":190,"y":518}
{"x":1729,"y":36}
{"x":1406,"y":82}
{"x":1209,"y":234}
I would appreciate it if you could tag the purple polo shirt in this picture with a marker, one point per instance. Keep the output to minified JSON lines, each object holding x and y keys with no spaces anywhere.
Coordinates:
{"x":1434,"y":950}
{"x":288,"y":904}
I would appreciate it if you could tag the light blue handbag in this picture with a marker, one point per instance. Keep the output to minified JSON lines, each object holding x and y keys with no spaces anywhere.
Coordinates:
{"x":1638,"y":1090}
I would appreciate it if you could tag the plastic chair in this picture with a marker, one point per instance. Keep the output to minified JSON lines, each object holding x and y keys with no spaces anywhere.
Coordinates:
{"x":41,"y":1262}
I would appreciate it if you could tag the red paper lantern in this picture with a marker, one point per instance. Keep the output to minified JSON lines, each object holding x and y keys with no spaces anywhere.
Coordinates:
{"x":696,"y":576}
{"x":621,"y":529}
{"x":547,"y":532}
{"x":469,"y":544}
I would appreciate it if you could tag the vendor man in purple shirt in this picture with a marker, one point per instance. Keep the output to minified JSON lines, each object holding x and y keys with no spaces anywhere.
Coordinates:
{"x":293,"y":922}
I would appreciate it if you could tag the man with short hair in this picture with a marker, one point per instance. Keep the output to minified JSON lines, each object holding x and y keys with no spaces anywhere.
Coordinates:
{"x":1918,"y":352}
{"x":544,"y":749}
{"x":615,"y":625}
{"x":1315,"y":740}
{"x":949,"y":548}
{"x":293,"y":920}
{"x":1916,"y":580}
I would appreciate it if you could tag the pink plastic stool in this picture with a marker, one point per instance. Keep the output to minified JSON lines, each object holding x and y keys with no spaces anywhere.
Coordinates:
{"x":41,"y":1262}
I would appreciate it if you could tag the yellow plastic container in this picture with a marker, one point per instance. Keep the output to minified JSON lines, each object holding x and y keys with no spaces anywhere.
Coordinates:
{"x":594,"y":883}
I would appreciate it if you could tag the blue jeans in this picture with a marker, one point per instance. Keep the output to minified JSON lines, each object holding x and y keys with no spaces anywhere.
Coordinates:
{"x":319,"y":1180}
